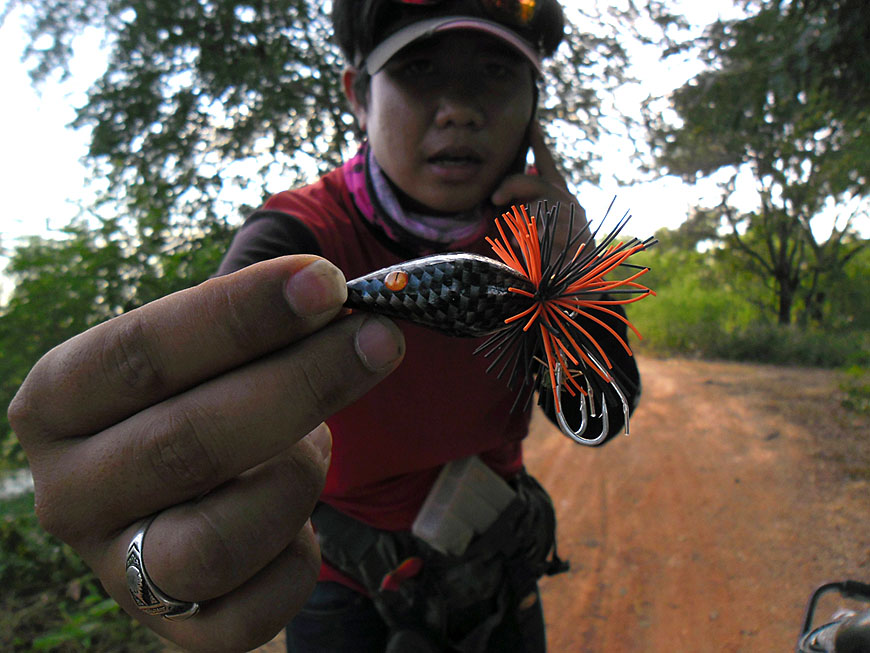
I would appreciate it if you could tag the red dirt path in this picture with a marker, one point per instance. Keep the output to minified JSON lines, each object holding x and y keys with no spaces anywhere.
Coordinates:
{"x":707,"y":528}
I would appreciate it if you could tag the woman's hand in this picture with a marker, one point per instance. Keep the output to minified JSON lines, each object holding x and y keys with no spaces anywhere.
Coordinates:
{"x":205,"y":409}
{"x":545,"y":184}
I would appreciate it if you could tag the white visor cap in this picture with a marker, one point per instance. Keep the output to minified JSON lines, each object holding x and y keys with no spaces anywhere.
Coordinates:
{"x":387,"y":48}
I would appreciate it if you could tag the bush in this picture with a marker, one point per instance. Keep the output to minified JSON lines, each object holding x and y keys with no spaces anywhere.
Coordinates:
{"x":690,"y":315}
{"x":51,"y":601}
{"x":794,"y":346}
{"x":758,"y":343}
{"x":856,"y":386}
{"x":701,"y":312}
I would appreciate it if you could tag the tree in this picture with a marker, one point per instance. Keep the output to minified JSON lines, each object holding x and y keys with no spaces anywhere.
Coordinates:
{"x":192,"y":87}
{"x":783,"y":97}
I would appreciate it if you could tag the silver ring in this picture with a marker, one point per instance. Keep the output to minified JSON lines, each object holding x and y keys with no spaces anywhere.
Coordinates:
{"x":148,"y":598}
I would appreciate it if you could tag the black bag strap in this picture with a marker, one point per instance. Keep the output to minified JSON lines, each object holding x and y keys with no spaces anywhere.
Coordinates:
{"x":356,"y":549}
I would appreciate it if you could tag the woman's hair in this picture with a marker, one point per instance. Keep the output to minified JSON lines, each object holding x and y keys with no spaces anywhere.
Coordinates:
{"x":360,"y":25}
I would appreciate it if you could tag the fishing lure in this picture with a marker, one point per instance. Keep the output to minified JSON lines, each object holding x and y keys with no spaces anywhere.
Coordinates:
{"x":532,"y":304}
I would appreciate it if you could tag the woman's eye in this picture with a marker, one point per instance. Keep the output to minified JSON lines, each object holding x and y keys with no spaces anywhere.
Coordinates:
{"x":497,"y":71}
{"x":418,"y":67}
{"x":500,"y":70}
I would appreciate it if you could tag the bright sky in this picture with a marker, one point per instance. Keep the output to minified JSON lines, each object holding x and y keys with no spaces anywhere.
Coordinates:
{"x":42,"y":177}
{"x":39,"y":156}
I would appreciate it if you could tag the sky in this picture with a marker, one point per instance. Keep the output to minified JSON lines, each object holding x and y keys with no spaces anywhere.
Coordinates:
{"x":40,"y":155}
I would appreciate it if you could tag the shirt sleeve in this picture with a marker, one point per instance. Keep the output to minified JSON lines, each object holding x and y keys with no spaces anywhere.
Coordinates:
{"x":624,"y":371}
{"x":267,"y":234}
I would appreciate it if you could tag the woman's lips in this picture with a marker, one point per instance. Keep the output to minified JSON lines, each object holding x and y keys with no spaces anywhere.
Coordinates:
{"x":455,"y":164}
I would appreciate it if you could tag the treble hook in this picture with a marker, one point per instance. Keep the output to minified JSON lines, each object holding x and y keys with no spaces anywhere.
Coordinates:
{"x":577,"y":435}
{"x":626,"y":409}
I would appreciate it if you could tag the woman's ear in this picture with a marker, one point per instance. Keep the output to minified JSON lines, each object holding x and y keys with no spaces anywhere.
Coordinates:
{"x":349,"y":79}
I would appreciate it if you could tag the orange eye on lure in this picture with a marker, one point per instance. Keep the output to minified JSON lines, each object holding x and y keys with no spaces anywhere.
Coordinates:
{"x":536,"y":305}
{"x":396,"y":280}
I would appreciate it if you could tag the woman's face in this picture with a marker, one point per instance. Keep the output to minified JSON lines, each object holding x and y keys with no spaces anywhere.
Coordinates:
{"x":445,"y":118}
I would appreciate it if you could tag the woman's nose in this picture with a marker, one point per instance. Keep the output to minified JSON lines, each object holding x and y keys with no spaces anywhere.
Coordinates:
{"x":458,"y":104}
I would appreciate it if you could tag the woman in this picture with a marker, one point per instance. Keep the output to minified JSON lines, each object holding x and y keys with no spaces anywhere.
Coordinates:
{"x":195,"y":433}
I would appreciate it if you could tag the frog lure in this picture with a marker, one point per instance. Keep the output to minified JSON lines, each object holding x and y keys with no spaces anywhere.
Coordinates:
{"x":531,"y":303}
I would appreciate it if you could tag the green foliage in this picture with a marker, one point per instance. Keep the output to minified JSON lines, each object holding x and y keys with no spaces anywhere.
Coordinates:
{"x":51,"y":601}
{"x":779,"y":93}
{"x":65,"y":285}
{"x":192,"y":87}
{"x":707,"y":306}
{"x":31,"y":557}
{"x":848,"y":301}
{"x":695,"y":305}
{"x":17,"y":506}
{"x":856,"y":387}
{"x":778,"y":100}
{"x":788,"y":345}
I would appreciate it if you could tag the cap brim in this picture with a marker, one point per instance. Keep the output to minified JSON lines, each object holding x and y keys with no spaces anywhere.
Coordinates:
{"x":387,"y":48}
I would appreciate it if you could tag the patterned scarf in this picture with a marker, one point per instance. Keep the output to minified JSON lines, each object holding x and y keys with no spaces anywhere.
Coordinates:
{"x":381,"y":208}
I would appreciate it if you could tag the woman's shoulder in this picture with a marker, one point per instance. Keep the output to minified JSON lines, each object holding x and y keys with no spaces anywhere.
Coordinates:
{"x":326,"y":197}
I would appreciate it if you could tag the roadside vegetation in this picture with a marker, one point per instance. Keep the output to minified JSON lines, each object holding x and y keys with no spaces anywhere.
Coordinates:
{"x":707,"y":307}
{"x":51,"y":601}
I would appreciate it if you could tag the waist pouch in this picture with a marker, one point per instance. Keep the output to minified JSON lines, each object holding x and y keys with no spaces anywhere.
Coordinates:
{"x":453,"y":602}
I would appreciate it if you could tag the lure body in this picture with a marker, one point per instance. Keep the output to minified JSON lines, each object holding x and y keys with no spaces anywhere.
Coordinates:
{"x":458,"y":294}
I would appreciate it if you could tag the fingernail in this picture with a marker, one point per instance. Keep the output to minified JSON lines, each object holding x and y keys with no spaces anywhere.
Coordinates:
{"x":379,"y":343}
{"x":316,"y":288}
{"x":321,"y":437}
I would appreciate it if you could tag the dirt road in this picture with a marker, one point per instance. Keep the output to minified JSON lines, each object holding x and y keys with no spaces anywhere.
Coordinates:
{"x":740,"y":489}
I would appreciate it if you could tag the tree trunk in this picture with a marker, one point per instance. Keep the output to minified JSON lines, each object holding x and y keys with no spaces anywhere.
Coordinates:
{"x":786,"y":299}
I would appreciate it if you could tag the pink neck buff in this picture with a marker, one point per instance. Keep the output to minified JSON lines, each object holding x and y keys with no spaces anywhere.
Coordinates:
{"x":378,"y":204}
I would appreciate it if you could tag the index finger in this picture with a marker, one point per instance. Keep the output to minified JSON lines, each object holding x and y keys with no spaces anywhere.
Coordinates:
{"x":546,"y":164}
{"x":140,"y":358}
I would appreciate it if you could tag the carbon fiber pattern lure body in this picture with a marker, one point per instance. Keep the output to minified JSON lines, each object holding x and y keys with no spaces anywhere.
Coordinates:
{"x":458,"y":294}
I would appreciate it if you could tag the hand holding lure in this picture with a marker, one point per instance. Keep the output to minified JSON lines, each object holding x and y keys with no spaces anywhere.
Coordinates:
{"x":531,"y":304}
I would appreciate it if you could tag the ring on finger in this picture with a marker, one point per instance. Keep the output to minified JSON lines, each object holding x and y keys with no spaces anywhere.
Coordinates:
{"x":145,"y":593}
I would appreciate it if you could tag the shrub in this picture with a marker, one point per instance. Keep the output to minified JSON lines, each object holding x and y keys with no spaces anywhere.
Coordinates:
{"x":856,"y":387}
{"x":51,"y":601}
{"x":793,"y":346}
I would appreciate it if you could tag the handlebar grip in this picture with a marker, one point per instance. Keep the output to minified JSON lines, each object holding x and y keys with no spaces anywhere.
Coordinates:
{"x":856,"y":588}
{"x":853,"y":636}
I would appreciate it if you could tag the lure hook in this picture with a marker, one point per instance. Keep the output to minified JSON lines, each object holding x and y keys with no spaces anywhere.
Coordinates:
{"x":626,"y":409}
{"x":577,"y":435}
